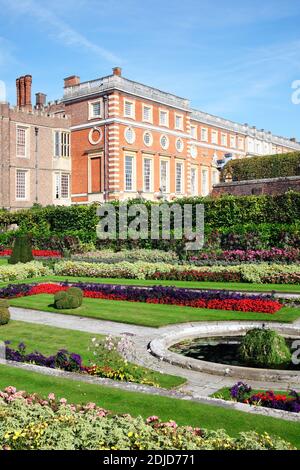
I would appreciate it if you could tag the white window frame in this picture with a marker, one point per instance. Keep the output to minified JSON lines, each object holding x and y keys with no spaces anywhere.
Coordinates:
{"x":63,"y":145}
{"x":26,"y":137}
{"x":180,"y":127}
{"x":26,"y":184}
{"x":91,"y":113}
{"x":162,"y":110}
{"x":196,"y":190}
{"x":193,"y":151}
{"x":167,"y":161}
{"x":150,"y":120}
{"x":132,"y":102}
{"x":150,"y":159}
{"x":133,"y":157}
{"x":205,"y":191}
{"x":167,"y":142}
{"x":215,"y":172}
{"x":241,"y":144}
{"x":194,"y":131}
{"x":205,"y":131}
{"x":232,"y":141}
{"x":181,"y":147}
{"x":224,"y":139}
{"x":59,"y":175}
{"x":133,"y":135}
{"x":182,"y":177}
{"x":214,"y":137}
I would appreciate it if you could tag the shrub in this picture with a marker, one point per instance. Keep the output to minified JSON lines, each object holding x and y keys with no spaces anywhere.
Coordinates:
{"x":4,"y":312}
{"x":68,"y":300}
{"x":268,"y":166}
{"x":28,"y":422}
{"x":22,"y":250}
{"x":109,"y":256}
{"x":264,"y":348}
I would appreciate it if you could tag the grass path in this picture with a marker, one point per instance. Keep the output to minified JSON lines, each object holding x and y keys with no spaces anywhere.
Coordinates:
{"x":154,"y":315}
{"x":183,"y":412}
{"x":48,"y":340}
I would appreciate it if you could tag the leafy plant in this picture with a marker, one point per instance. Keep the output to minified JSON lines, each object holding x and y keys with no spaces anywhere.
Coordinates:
{"x":4,"y":312}
{"x":22,"y":250}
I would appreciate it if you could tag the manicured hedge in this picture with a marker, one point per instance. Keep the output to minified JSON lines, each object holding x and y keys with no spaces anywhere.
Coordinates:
{"x":269,"y":166}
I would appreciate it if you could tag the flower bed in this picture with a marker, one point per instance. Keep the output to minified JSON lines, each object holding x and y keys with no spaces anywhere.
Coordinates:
{"x":109,"y":256}
{"x":210,"y":299}
{"x":287,"y":402}
{"x":23,"y":271}
{"x":29,"y":422}
{"x":36,"y":253}
{"x":274,"y":255}
{"x":252,"y":273}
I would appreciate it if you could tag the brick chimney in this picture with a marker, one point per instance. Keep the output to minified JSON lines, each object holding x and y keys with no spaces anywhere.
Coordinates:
{"x":28,"y":83}
{"x":23,"y":86}
{"x":40,"y":100}
{"x":71,"y":81}
{"x":117,"y":71}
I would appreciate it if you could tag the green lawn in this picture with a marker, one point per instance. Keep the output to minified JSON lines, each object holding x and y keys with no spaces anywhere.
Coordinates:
{"x":224,"y":393}
{"x":48,"y":340}
{"x":154,"y":315}
{"x":240,"y":286}
{"x":118,"y":401}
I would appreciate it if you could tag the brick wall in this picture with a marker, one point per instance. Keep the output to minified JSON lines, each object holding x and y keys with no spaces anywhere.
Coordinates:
{"x":256,"y":187}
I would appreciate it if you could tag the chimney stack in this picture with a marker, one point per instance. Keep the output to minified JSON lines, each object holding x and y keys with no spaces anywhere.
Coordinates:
{"x":23,"y":86}
{"x":40,"y":100}
{"x":117,"y":71}
{"x":73,"y":80}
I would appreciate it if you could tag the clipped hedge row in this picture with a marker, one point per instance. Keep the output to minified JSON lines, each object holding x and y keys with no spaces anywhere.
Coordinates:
{"x":269,"y":166}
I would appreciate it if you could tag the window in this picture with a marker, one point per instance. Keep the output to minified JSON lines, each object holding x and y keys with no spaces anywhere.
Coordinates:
{"x":164,"y":176}
{"x":164,"y":118}
{"x":179,"y":145}
{"x":21,"y":184}
{"x":164,"y":142}
{"x":194,"y":191}
{"x":129,"y":135}
{"x":241,"y":143}
{"x":205,"y":190}
{"x":62,"y":186}
{"x":129,"y":110}
{"x":224,"y":140}
{"x":194,"y":132}
{"x":61,"y":144}
{"x":147,"y":175}
{"x":95,"y":109}
{"x":215,"y":177}
{"x":179,"y":178}
{"x":232,"y":141}
{"x":214,"y":137}
{"x":22,"y":141}
{"x":129,"y":173}
{"x":179,"y":121}
{"x":148,"y":139}
{"x":194,"y":151}
{"x":204,"y":134}
{"x":147,"y":113}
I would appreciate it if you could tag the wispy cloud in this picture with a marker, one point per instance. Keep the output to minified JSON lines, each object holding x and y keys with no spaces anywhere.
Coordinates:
{"x":58,"y":29}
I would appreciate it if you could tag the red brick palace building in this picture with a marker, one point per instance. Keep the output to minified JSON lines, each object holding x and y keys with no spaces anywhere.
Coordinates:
{"x":131,"y":140}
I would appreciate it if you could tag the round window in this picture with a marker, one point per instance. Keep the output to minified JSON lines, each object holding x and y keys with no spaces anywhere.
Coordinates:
{"x":179,"y":145}
{"x":164,"y":142}
{"x":129,"y":135}
{"x":148,"y":139}
{"x":95,"y":136}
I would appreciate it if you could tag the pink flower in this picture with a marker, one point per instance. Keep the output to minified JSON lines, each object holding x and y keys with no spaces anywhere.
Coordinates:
{"x":63,"y":401}
{"x":151,"y":419}
{"x":51,"y":396}
{"x":10,"y":389}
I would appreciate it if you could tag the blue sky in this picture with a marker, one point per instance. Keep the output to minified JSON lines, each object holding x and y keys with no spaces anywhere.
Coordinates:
{"x":237,"y":59}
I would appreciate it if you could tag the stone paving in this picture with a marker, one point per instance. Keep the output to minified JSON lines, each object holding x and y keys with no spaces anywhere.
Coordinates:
{"x":199,"y":384}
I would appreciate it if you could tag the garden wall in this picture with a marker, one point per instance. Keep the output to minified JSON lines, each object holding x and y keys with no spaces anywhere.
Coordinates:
{"x":270,"y":186}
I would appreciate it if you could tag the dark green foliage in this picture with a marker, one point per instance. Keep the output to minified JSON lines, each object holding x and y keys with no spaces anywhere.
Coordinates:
{"x":70,"y":299}
{"x":4,"y":312}
{"x":269,"y":166}
{"x":264,"y":348}
{"x":22,"y":250}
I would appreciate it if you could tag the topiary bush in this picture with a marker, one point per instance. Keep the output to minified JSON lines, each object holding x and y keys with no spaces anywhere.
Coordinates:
{"x":22,"y":250}
{"x":4,"y":312}
{"x":264,"y":348}
{"x":70,"y":299}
